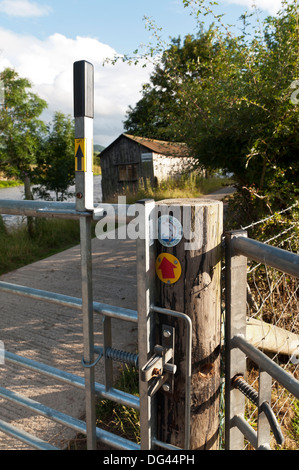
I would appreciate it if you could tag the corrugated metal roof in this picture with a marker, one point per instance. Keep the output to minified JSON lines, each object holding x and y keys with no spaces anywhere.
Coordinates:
{"x":161,"y":147}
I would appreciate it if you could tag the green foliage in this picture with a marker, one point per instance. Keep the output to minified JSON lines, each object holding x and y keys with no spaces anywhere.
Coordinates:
{"x":232,"y":99}
{"x":55,"y":160}
{"x":242,"y":210}
{"x":114,"y":417}
{"x":157,"y":113}
{"x":2,"y":226}
{"x":30,"y":150}
{"x":118,"y":418}
{"x":296,"y":421}
{"x":10,"y":184}
{"x":20,"y":130}
{"x":20,"y":126}
{"x":18,"y":248}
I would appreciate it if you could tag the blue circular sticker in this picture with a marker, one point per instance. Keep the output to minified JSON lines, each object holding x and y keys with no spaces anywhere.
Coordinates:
{"x":170,"y":231}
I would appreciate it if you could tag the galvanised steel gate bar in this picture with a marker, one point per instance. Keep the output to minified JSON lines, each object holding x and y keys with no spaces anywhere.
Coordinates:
{"x":68,"y":301}
{"x":238,"y":248}
{"x":61,"y":418}
{"x":24,"y":437}
{"x":112,"y":394}
{"x":262,"y":253}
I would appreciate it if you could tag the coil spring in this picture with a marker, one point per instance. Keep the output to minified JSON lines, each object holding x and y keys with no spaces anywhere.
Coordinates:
{"x":122,"y":356}
{"x":247,"y":390}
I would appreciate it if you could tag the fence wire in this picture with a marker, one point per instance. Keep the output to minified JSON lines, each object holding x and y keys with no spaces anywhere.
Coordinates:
{"x":272,"y":305}
{"x":273,"y":299}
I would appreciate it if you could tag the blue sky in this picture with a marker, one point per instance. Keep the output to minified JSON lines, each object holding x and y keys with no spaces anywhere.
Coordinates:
{"x":42,"y":38}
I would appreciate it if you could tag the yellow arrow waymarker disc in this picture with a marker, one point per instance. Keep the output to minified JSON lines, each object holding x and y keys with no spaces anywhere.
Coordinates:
{"x":168,"y":268}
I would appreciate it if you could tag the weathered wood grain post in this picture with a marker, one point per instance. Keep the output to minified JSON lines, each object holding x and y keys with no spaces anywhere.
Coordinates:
{"x":191,"y":283}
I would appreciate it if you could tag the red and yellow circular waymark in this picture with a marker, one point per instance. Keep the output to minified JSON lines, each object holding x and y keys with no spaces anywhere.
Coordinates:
{"x":168,"y":268}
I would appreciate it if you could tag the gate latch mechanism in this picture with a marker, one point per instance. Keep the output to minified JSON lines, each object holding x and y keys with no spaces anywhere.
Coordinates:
{"x":160,"y":369}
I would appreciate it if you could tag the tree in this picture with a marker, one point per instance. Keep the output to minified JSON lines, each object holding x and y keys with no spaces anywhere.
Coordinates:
{"x":156,"y":114}
{"x":20,"y":128}
{"x":55,"y":160}
{"x":232,"y":104}
{"x":250,"y":123}
{"x":147,"y":118}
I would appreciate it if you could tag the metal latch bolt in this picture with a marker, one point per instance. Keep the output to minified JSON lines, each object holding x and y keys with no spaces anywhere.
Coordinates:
{"x":160,"y":368}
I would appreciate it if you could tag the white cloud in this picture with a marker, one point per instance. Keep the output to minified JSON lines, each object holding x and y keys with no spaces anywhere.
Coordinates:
{"x":271,"y":6}
{"x":23,"y":8}
{"x":48,"y":64}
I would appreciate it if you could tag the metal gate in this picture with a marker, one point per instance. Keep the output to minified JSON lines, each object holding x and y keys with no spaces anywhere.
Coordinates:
{"x":238,"y":248}
{"x":155,"y":359}
{"x":92,"y":355}
{"x":150,"y":356}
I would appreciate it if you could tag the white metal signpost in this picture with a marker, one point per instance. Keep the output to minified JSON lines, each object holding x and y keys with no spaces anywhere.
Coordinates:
{"x":84,"y":114}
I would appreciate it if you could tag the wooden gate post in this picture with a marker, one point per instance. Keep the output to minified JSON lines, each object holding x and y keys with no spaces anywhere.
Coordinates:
{"x":197,"y":293}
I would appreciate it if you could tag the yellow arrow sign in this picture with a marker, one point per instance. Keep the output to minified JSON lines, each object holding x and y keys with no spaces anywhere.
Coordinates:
{"x":168,"y":268}
{"x":80,"y":154}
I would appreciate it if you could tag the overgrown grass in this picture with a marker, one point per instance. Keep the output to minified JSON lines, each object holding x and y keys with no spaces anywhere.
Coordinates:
{"x":190,"y":185}
{"x":295,"y":421}
{"x":10,"y":183}
{"x":97,"y":170}
{"x":50,"y":236}
{"x":114,"y":417}
{"x":287,"y":414}
{"x":118,"y":418}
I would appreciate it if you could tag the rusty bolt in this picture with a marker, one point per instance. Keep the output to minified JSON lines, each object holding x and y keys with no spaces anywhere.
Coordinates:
{"x":156,"y":372}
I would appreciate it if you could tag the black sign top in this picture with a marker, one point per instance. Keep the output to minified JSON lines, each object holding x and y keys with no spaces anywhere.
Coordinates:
{"x":83,"y":89}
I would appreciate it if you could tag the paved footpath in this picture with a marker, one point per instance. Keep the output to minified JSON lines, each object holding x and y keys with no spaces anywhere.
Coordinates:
{"x":52,"y":335}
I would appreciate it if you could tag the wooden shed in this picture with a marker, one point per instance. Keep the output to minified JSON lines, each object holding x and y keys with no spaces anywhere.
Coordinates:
{"x":130,"y":159}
